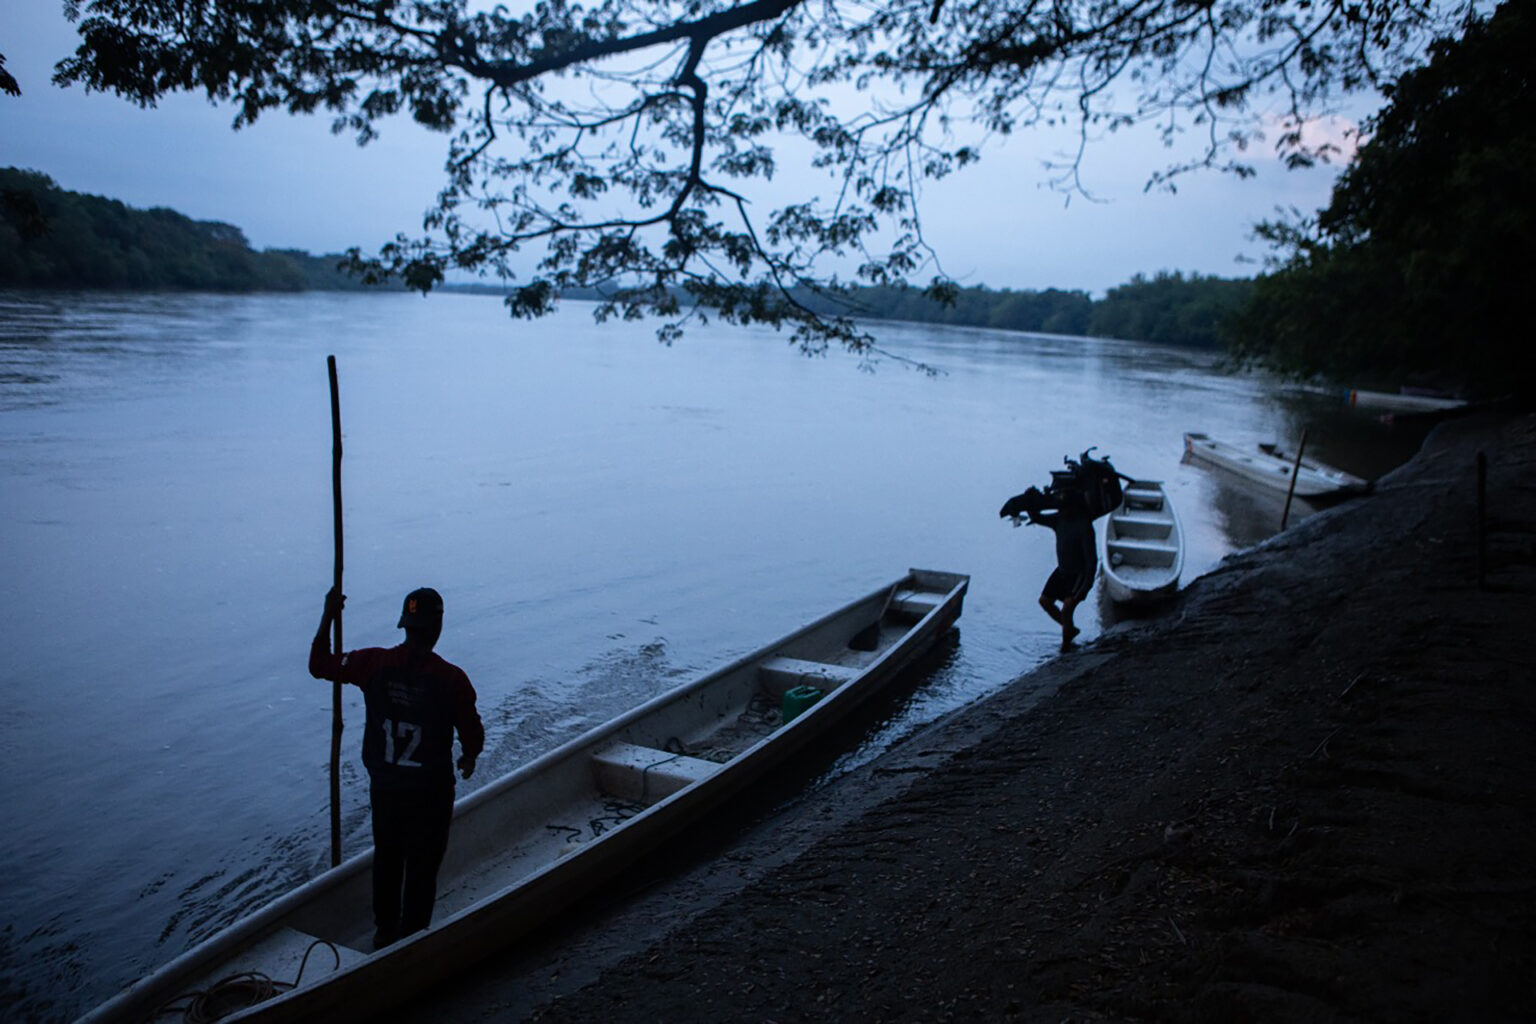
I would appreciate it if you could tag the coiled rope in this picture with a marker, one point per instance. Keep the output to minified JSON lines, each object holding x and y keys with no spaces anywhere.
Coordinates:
{"x":237,"y":992}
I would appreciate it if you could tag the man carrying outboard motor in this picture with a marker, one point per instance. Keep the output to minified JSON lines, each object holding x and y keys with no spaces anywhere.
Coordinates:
{"x":1087,"y":489}
{"x":415,"y":701}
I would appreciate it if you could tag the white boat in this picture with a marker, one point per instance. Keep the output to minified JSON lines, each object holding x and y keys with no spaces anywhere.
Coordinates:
{"x":1141,"y":549}
{"x":1270,"y":466}
{"x":529,"y":844}
{"x":1402,"y":402}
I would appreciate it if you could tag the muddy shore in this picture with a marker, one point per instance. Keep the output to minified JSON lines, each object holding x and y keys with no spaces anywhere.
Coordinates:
{"x":1306,"y":794}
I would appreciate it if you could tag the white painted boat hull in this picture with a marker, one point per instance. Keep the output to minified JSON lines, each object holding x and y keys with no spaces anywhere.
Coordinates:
{"x":1141,"y":548}
{"x":1402,"y":402}
{"x":529,"y":844}
{"x":1273,"y":469}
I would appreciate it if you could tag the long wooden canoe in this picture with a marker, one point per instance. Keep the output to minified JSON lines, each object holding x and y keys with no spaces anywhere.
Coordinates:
{"x":1141,"y":548}
{"x":527,"y":845}
{"x":1271,"y":467}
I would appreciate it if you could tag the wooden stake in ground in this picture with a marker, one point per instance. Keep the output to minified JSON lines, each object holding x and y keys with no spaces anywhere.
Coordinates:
{"x":1295,"y":472}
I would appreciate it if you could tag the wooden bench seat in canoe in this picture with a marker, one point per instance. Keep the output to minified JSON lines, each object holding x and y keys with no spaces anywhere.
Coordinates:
{"x":1141,"y":552}
{"x":780,"y":674}
{"x":915,"y":603}
{"x":645,"y":775}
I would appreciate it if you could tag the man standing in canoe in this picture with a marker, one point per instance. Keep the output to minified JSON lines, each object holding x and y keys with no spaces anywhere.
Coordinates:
{"x":415,"y":701}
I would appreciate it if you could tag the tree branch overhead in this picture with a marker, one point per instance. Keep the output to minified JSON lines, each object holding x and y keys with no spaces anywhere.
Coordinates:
{"x":616,"y":146}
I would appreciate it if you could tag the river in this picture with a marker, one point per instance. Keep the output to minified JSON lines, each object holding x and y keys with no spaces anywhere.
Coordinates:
{"x":605,"y":516}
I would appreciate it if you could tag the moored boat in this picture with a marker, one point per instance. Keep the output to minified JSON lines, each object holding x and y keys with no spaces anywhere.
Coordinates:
{"x":1141,"y":548}
{"x":1271,"y":467}
{"x":1403,"y":401}
{"x":1347,"y":483}
{"x":529,"y":844}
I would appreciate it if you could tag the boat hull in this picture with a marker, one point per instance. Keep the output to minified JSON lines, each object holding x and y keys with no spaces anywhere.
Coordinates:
{"x":526,"y":846}
{"x":1141,"y":548}
{"x":1273,"y":469}
{"x":1402,"y":402}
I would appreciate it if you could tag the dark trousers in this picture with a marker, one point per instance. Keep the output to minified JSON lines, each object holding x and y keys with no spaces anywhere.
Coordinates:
{"x":410,"y":835}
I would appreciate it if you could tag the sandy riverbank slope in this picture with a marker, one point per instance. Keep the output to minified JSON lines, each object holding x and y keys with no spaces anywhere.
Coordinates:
{"x":1307,"y":794}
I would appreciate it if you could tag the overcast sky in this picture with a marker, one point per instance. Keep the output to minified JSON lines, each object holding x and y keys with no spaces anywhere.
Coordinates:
{"x":289,"y":183}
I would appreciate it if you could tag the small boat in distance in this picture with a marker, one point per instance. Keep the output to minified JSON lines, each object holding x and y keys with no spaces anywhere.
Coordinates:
{"x":1403,"y":402}
{"x":1141,"y":549}
{"x":1271,"y":467}
{"x":526,"y":846}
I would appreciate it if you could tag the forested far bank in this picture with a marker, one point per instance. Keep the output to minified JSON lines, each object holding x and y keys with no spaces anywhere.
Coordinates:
{"x":1167,"y":308}
{"x":54,"y":238}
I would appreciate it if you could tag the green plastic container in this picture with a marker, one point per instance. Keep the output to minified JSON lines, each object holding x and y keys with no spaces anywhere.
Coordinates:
{"x":797,"y":699}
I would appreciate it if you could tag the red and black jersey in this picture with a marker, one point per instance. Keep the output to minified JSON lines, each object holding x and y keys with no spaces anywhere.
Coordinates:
{"x":415,"y":703}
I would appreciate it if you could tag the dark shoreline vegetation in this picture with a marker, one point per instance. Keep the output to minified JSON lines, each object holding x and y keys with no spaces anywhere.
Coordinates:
{"x":1166,"y":309}
{"x":53,"y":238}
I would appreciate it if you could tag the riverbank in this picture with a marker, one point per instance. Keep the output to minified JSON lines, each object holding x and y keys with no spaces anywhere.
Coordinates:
{"x":1306,"y":794}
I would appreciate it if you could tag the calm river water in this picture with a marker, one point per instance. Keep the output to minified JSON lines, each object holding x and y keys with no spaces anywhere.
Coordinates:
{"x":606,"y":517}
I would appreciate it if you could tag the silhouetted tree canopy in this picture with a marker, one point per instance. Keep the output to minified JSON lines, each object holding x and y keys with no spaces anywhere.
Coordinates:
{"x":622,"y":143}
{"x":8,"y":83}
{"x":1420,"y":267}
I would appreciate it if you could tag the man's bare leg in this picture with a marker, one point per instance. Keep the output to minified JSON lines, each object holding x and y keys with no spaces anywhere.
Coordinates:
{"x":1050,"y":609}
{"x":1068,"y":630}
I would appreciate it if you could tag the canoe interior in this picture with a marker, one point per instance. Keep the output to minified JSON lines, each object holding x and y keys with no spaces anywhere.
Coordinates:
{"x":1143,"y":543}
{"x":1343,"y":480}
{"x":534,"y":824}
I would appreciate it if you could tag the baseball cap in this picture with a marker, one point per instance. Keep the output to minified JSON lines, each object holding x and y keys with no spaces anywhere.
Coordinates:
{"x":423,"y":607}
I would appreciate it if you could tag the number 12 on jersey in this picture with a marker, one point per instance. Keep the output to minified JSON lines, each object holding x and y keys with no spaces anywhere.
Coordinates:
{"x":400,"y":742}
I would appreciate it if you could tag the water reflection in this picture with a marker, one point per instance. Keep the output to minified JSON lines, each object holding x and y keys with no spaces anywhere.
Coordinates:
{"x":1354,"y":439}
{"x":1248,"y":513}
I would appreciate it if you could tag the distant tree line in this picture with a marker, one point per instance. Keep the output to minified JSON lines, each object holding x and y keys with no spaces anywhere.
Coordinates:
{"x":1168,"y":308}
{"x":52,"y":238}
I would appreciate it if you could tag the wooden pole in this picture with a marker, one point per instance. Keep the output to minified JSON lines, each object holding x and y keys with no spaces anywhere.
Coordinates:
{"x":330,"y":362}
{"x":1295,"y":472}
{"x":1482,"y":521}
